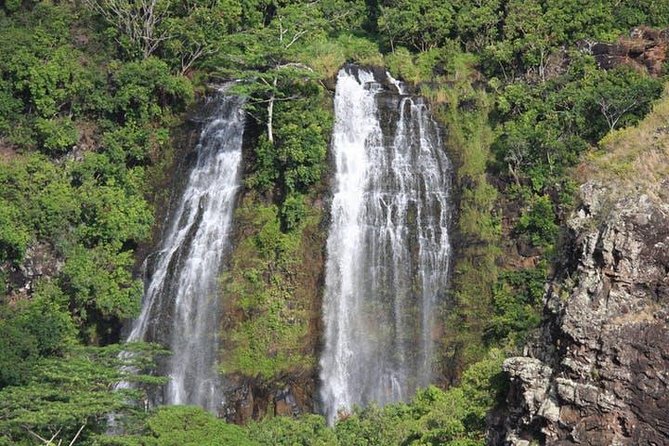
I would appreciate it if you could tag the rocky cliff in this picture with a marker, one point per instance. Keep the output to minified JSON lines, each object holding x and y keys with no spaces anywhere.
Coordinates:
{"x":598,"y":374}
{"x":644,"y":48}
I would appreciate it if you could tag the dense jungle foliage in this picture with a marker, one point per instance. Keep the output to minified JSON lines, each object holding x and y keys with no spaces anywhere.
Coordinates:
{"x":91,"y":94}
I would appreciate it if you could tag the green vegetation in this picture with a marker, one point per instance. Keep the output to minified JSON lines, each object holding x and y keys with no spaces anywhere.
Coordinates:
{"x":269,"y":303}
{"x":541,"y":110}
{"x":80,"y":130}
{"x":70,"y":392}
{"x":465,"y":112}
{"x":634,"y":158}
{"x":455,"y":417}
{"x":91,"y":93}
{"x":516,"y":301}
{"x":182,"y":426}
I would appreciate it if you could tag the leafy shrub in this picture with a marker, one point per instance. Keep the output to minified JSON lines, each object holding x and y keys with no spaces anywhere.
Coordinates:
{"x":100,"y":284}
{"x":517,"y":303}
{"x":538,"y":223}
{"x":34,"y":329}
{"x":56,"y":136}
{"x":293,"y":211}
{"x":308,"y":430}
{"x":57,"y":209}
{"x":110,"y":214}
{"x":14,"y":236}
{"x":144,"y":90}
{"x":59,"y":84}
{"x":135,"y":145}
{"x":10,"y":106}
{"x":265,"y":174}
{"x":191,"y":426}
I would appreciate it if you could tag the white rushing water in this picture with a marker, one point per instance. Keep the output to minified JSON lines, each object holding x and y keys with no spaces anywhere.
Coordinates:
{"x":388,"y":246}
{"x":180,"y":308}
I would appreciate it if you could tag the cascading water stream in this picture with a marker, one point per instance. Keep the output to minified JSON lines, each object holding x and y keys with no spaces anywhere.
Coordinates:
{"x":180,"y":307}
{"x":388,"y":246}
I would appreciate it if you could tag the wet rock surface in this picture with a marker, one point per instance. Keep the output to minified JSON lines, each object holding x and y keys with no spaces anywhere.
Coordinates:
{"x":598,"y":374}
{"x":251,"y":399}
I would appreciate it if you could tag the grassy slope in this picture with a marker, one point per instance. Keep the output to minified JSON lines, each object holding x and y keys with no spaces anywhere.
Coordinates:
{"x":634,"y":158}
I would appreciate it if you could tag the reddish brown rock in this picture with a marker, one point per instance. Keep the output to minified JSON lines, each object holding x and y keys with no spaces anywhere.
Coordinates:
{"x":644,"y":49}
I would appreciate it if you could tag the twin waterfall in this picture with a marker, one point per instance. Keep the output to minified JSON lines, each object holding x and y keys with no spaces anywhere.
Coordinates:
{"x":388,"y":247}
{"x":387,"y":251}
{"x":180,"y":308}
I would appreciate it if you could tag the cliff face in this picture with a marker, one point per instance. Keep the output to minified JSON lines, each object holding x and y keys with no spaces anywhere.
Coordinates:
{"x":645,"y":48}
{"x":270,"y":327}
{"x":271,"y":290}
{"x":598,"y":374}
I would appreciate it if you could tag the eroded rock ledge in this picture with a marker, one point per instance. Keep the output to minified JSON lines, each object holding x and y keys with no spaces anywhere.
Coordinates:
{"x":599,"y":372}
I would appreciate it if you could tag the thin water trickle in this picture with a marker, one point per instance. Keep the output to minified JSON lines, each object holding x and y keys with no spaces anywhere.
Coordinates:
{"x":388,"y":246}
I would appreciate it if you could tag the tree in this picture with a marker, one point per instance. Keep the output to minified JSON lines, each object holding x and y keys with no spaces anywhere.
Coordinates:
{"x":622,"y":92}
{"x":143,"y":90}
{"x":529,"y":34}
{"x":630,"y":13}
{"x":137,"y":20}
{"x":419,"y":24}
{"x":65,"y":393}
{"x":197,"y":28}
{"x":477,"y":23}
{"x":571,"y":20}
{"x":283,"y":95}
{"x":192,"y":426}
{"x":288,"y":28}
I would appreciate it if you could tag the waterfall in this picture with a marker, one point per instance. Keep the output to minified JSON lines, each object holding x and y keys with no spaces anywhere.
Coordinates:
{"x":388,"y":246}
{"x":180,"y":306}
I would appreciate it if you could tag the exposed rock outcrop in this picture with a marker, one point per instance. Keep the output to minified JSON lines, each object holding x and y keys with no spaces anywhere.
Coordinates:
{"x":644,"y":48}
{"x":249,"y":399}
{"x":40,"y":260}
{"x":599,"y":372}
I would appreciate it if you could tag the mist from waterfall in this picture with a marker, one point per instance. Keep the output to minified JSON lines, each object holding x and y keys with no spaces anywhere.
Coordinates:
{"x":388,"y":245}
